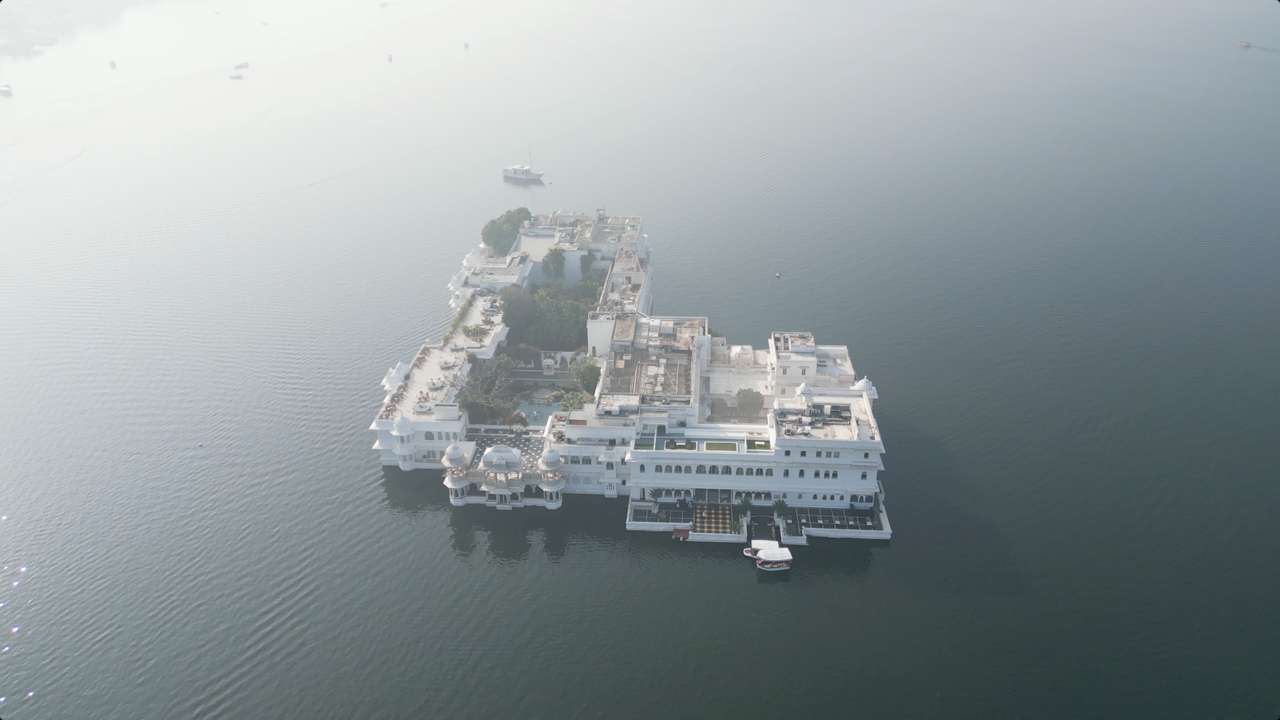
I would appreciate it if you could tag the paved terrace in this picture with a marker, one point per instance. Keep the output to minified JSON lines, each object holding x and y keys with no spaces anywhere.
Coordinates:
{"x":831,"y":519}
{"x":664,"y":514}
{"x":438,"y":372}
{"x":528,"y":444}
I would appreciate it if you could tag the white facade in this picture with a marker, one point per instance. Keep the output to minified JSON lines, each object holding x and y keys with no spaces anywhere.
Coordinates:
{"x":668,"y":429}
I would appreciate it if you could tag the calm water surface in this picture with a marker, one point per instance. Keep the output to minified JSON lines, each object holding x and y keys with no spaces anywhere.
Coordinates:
{"x":1048,"y":233}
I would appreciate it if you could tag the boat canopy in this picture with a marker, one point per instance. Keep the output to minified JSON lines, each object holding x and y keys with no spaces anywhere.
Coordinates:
{"x":763,"y":544}
{"x":774,"y":554}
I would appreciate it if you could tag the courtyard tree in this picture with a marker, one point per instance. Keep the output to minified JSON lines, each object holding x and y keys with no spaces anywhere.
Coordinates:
{"x":750,"y":402}
{"x":553,"y":263}
{"x":500,"y":232}
{"x":585,"y":373}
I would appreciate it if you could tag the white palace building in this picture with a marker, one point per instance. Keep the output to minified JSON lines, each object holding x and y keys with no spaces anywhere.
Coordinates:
{"x":668,"y":429}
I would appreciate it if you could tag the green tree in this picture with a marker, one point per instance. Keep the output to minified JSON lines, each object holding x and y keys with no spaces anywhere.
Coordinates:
{"x":551,"y":317}
{"x":489,"y":396}
{"x":779,"y":507}
{"x":553,"y":263}
{"x":518,"y":308}
{"x":500,"y":232}
{"x":570,"y":399}
{"x":586,"y":374}
{"x":750,"y":402}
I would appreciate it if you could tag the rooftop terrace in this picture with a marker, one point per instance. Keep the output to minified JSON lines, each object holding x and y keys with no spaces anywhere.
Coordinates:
{"x":650,"y":373}
{"x":528,"y":444}
{"x":437,"y":372}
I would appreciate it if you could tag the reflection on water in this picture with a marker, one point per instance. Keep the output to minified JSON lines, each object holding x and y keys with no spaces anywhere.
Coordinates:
{"x":1059,"y":267}
{"x":586,"y":519}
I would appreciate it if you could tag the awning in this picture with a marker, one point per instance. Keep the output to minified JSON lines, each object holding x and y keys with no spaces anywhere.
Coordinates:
{"x":775,"y":554}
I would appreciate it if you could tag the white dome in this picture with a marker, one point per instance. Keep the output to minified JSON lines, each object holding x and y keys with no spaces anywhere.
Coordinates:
{"x":865,"y":385}
{"x":454,"y":456}
{"x":402,"y":427}
{"x":550,"y":459}
{"x":501,"y":458}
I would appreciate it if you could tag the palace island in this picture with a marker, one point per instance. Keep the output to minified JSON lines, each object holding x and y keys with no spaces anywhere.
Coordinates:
{"x":556,"y":379}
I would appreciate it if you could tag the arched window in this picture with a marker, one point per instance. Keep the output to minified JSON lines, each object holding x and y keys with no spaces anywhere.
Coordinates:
{"x":725,"y":470}
{"x":768,"y":472}
{"x":702,"y":469}
{"x":429,"y":435}
{"x":641,"y":467}
{"x":759,"y":472}
{"x":715,"y":470}
{"x":688,"y":469}
{"x":864,"y":476}
{"x":738,"y":471}
{"x":677,"y":468}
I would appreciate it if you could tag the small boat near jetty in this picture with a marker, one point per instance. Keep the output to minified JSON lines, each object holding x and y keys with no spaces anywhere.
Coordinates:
{"x":757,"y":546}
{"x":773,"y":560}
{"x":769,"y":556}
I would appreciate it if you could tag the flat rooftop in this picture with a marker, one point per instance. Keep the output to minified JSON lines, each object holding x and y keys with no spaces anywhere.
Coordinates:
{"x":788,"y":344}
{"x":438,"y":371}
{"x":494,"y":270}
{"x":650,"y":374}
{"x":827,"y":418}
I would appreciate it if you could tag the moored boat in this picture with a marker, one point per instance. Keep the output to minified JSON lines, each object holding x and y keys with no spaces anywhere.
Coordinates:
{"x":521,"y":174}
{"x":773,"y":559}
{"x":758,"y":545}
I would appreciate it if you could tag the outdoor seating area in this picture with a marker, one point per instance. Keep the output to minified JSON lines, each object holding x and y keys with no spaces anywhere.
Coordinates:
{"x":714,"y":519}
{"x":832,"y":519}
{"x":664,"y":514}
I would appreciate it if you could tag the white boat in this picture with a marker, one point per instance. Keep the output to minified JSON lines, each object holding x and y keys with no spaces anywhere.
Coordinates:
{"x":758,"y":545}
{"x":773,"y":559}
{"x":521,"y":174}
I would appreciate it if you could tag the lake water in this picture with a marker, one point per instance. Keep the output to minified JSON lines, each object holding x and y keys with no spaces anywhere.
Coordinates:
{"x":1050,"y":234}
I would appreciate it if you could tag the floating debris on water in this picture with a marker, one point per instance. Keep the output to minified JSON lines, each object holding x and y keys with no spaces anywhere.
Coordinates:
{"x":236,"y":76}
{"x":241,"y":66}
